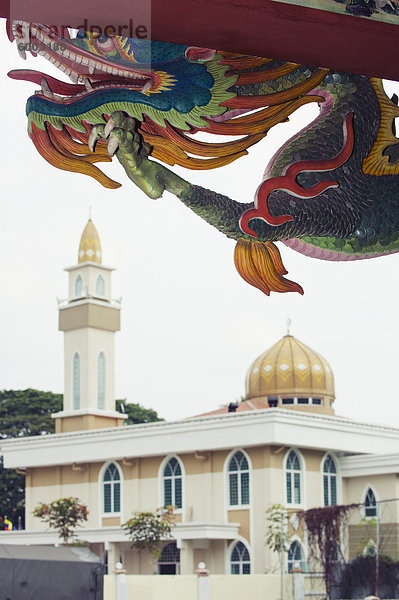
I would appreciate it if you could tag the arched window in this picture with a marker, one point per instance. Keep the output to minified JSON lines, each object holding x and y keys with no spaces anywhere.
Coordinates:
{"x":78,"y":286}
{"x":295,"y":555}
{"x":370,"y":504}
{"x":329,"y":481}
{"x":111,"y":490}
{"x":293,"y":479}
{"x":101,"y":380}
{"x":100,"y":286}
{"x":169,"y":560}
{"x":76,"y":381}
{"x":172,"y":484}
{"x":240,"y":563}
{"x":238,"y":480}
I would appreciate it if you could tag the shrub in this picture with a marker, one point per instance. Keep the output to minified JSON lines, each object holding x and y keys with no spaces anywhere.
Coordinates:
{"x":64,"y":515}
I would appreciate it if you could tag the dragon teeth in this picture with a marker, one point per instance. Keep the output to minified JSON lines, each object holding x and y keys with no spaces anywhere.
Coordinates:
{"x":26,"y":33}
{"x":21,"y":52}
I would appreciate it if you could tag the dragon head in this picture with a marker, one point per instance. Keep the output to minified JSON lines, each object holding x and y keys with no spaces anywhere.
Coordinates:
{"x":162,"y":85}
{"x":172,"y":90}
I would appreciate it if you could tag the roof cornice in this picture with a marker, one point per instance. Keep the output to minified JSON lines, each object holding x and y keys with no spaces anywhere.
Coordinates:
{"x":268,"y":426}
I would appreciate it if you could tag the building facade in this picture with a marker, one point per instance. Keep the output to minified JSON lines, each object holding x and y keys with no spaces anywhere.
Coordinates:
{"x":218,"y":472}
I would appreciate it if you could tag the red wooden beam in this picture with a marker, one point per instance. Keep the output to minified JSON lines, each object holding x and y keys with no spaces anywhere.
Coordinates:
{"x":260,"y":27}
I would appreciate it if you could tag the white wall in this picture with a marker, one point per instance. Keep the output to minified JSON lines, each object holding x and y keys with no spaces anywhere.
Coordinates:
{"x":184,"y":587}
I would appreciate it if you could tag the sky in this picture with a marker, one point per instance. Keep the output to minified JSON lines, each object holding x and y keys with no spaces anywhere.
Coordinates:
{"x":191,"y":326}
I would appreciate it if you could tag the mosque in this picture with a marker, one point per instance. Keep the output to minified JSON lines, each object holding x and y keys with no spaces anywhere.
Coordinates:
{"x":217,"y":472}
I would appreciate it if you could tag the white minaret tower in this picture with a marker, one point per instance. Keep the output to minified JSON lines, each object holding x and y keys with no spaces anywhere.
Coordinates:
{"x":89,"y":320}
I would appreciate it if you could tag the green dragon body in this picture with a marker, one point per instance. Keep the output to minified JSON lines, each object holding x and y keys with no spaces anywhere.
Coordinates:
{"x":330,"y":192}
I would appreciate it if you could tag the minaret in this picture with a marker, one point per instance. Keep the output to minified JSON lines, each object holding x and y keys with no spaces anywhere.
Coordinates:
{"x":89,"y":319}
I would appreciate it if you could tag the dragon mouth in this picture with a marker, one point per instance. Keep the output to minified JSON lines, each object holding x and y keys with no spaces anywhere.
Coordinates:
{"x":89,"y":73}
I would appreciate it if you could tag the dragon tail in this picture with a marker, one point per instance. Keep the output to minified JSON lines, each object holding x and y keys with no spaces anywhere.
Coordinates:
{"x":260,"y":265}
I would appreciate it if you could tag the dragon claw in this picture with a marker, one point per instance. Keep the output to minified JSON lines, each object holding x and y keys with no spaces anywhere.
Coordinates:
{"x":109,"y":127}
{"x":92,"y":138}
{"x":123,"y":139}
{"x":113,"y":144}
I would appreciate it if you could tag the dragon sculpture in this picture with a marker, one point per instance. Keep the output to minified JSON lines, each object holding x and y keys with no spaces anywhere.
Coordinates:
{"x":331,"y":192}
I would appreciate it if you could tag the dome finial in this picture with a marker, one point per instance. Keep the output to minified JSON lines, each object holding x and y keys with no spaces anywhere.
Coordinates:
{"x":289,"y":323}
{"x":90,"y":245}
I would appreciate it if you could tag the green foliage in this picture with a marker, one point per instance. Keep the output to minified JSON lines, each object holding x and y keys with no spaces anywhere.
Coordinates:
{"x":136,"y":413}
{"x":27,"y":412}
{"x":22,"y":413}
{"x":368,"y":528}
{"x":63,"y":515}
{"x":148,"y":530}
{"x":276,"y":528}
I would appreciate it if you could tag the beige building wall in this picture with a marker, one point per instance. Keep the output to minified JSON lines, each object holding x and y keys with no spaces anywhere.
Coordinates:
{"x":205,"y":496}
{"x":362,"y":529}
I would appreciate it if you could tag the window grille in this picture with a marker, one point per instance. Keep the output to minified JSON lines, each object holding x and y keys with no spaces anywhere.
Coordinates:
{"x":293,"y":478}
{"x":112,"y":490}
{"x":295,"y":555}
{"x":238,"y":480}
{"x":172,"y":484}
{"x":329,"y":482}
{"x":240,"y":563}
{"x":370,"y":504}
{"x":169,"y":560}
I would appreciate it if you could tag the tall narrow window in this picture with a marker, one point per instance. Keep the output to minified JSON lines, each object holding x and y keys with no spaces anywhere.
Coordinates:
{"x":172,"y":484}
{"x":240,"y":563}
{"x":100,"y":286}
{"x":238,"y":480}
{"x":293,"y":478}
{"x":329,"y":482}
{"x":78,"y":286}
{"x":101,"y":380}
{"x":111,"y":490}
{"x":76,"y":381}
{"x":295,"y":556}
{"x":169,"y":560}
{"x":370,"y":504}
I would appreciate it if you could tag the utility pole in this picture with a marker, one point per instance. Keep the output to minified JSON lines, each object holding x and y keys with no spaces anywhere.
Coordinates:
{"x":377,"y":550}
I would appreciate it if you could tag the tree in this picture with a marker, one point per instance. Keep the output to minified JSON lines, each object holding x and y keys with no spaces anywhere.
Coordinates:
{"x":27,"y":412}
{"x":136,"y":413}
{"x":63,"y":515}
{"x":148,"y":530}
{"x":22,"y":413}
{"x":276,"y":530}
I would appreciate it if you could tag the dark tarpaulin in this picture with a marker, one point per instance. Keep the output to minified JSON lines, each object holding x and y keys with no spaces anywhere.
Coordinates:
{"x":49,"y":573}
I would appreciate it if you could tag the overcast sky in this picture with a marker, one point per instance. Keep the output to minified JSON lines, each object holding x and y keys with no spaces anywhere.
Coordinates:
{"x":190,"y":325}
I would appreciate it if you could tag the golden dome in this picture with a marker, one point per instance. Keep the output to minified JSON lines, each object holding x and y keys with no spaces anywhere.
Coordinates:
{"x":90,"y":246}
{"x":290,"y":369}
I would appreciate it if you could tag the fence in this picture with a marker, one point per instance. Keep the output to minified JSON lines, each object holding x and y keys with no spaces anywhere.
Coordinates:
{"x":184,"y":587}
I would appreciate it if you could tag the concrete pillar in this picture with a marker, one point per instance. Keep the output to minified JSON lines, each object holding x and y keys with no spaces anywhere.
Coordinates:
{"x":113,"y":555}
{"x":120,"y":582}
{"x":203,"y":582}
{"x":186,"y":557}
{"x":298,"y":582}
